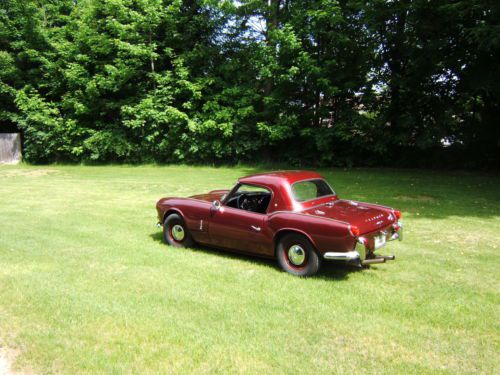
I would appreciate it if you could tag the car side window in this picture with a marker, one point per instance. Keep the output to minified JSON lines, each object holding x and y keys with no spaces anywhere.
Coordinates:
{"x":306,"y":190}
{"x":250,"y":198}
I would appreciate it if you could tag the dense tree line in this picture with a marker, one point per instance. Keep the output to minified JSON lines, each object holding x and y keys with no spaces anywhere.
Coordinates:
{"x":317,"y":82}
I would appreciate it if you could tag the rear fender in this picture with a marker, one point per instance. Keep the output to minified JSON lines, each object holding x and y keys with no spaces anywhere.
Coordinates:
{"x":325,"y":234}
{"x":282,"y":232}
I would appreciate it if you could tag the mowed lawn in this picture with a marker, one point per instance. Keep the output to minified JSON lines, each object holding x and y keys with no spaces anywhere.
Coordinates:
{"x":87,"y":286}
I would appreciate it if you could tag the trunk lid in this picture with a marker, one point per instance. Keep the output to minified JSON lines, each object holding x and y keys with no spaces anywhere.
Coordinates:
{"x":366,"y":217}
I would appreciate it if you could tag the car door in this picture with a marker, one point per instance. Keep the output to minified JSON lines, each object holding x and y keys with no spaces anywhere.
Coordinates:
{"x":239,"y":229}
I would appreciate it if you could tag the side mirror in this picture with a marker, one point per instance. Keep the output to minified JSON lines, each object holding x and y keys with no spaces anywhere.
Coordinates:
{"x":216,"y":204}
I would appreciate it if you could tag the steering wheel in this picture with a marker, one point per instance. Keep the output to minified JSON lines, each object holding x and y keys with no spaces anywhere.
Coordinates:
{"x":242,"y":202}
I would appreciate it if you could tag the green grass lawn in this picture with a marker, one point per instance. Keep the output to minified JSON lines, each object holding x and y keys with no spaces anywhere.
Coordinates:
{"x":87,"y":286}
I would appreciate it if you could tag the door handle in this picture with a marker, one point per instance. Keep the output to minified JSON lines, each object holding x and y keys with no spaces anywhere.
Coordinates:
{"x":255,"y":228}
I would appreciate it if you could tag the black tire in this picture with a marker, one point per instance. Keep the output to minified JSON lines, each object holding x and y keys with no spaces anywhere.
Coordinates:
{"x":292,"y":247}
{"x":175,"y":224}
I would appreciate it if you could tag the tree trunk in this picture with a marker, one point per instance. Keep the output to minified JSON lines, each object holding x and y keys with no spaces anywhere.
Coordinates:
{"x":272,"y":23}
{"x":396,"y":64}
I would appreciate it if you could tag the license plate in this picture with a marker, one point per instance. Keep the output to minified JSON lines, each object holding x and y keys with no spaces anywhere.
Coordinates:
{"x":379,"y":241}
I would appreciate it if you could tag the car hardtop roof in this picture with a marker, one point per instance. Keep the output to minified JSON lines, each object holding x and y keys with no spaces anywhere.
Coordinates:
{"x":279,"y":177}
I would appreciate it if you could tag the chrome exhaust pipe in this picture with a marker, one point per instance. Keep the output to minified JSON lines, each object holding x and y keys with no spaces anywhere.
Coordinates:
{"x":367,"y":262}
{"x":386,"y":257}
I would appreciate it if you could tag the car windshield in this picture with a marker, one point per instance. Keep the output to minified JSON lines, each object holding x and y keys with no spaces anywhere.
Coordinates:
{"x":310,"y":189}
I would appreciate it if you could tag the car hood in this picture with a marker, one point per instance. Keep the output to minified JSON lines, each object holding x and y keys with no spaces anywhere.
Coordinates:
{"x":211,"y":196}
{"x":367,"y":217}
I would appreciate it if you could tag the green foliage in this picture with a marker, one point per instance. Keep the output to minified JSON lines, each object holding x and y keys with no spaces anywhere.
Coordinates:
{"x":47,"y":133}
{"x":321,"y":82}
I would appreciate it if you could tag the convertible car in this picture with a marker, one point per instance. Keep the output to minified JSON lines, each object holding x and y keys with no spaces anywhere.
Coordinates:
{"x":293,"y":216}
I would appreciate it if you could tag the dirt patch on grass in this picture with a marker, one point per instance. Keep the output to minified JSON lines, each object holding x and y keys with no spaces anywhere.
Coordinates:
{"x":7,"y":358}
{"x":416,"y":198}
{"x":27,"y":172}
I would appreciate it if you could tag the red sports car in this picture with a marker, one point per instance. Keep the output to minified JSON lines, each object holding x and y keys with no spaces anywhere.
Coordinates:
{"x":293,"y":216}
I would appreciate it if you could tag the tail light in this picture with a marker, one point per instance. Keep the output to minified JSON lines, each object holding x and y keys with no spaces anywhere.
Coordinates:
{"x":397,"y":213}
{"x":354,"y":230}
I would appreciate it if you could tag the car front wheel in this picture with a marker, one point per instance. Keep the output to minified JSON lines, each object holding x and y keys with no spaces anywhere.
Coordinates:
{"x":296,"y":255}
{"x":175,"y":232}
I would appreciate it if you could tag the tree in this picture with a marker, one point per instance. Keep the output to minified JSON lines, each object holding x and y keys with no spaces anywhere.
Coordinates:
{"x":321,"y":82}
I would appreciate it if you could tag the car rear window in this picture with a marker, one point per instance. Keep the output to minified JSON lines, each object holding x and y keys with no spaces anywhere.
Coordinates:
{"x":311,"y":189}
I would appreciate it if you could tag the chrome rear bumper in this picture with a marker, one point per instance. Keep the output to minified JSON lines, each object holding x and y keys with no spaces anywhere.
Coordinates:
{"x":358,"y":255}
{"x":357,"y":258}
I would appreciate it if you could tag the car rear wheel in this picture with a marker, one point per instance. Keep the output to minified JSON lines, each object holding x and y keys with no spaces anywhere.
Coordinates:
{"x":296,"y":255}
{"x":175,"y":232}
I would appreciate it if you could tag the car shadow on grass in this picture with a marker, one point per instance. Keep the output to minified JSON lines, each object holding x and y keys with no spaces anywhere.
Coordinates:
{"x":328,"y":270}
